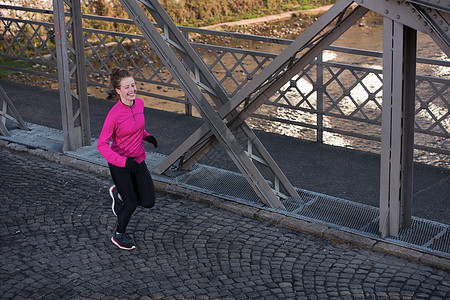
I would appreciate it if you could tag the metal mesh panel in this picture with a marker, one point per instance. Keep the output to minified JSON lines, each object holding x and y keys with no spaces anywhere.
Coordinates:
{"x":351,"y":216}
{"x":427,"y":235}
{"x":217,"y":181}
{"x":441,"y":241}
{"x":336,"y":211}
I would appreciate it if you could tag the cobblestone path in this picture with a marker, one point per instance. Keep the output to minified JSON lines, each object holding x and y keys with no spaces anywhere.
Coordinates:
{"x":55,"y":243}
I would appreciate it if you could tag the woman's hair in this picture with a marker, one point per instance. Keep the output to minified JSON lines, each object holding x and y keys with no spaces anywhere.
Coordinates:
{"x":115,"y":78}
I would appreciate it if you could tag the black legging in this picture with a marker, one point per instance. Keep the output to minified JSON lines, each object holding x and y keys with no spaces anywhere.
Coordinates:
{"x":135,"y":188}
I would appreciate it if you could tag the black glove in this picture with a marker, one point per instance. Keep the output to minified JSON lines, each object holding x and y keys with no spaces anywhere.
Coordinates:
{"x":152,"y":140}
{"x":131,"y":163}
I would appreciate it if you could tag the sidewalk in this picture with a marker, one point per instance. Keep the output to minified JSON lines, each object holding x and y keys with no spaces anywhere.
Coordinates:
{"x":56,"y":223}
{"x":338,"y":187}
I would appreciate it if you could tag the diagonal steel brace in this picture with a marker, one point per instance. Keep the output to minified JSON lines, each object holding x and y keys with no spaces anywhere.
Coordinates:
{"x":210,"y":84}
{"x":190,"y":87}
{"x":430,"y":17}
{"x":6,"y":104}
{"x":280,"y":71}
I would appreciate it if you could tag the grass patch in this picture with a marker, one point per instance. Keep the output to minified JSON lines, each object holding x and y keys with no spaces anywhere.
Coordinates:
{"x":15,"y":64}
{"x":293,"y":7}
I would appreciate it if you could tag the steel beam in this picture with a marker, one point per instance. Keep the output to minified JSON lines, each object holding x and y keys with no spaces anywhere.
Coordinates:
{"x":82,"y":119}
{"x":71,"y":60}
{"x":408,"y":115}
{"x":443,"y":5}
{"x":65,"y":93}
{"x":431,"y":17}
{"x":439,"y":26}
{"x":9,"y":111}
{"x":397,"y":140}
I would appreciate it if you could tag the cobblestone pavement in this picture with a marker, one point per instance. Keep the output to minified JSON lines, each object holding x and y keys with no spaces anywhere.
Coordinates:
{"x":55,"y":232}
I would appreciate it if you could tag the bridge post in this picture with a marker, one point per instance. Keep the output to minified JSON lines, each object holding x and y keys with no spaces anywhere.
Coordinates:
{"x":397,"y":139}
{"x":70,"y":60}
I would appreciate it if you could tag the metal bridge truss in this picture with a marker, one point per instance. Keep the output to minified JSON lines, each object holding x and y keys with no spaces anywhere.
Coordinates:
{"x":275,"y":184}
{"x":402,"y":20}
{"x":225,"y":114}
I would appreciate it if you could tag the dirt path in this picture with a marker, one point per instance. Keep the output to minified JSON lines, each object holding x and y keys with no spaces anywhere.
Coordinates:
{"x":271,"y":18}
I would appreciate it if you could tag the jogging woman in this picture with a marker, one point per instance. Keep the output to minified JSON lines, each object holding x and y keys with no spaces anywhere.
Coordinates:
{"x":125,"y":126}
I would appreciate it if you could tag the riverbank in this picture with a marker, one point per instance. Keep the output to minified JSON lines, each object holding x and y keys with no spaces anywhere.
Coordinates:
{"x":271,"y":19}
{"x":288,"y":25}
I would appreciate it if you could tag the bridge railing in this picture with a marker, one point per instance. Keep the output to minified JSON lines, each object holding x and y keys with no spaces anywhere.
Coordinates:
{"x":336,"y":102}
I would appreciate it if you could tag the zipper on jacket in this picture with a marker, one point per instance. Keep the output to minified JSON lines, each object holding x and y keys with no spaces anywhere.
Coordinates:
{"x":131,"y":107}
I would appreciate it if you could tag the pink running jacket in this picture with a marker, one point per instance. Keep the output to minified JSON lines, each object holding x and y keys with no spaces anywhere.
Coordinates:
{"x":125,"y":126}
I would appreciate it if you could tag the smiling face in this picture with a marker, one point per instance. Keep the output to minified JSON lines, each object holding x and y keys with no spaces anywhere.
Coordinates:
{"x":127,"y":90}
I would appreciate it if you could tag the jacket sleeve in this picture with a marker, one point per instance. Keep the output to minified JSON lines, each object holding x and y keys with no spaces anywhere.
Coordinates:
{"x":145,"y":134}
{"x":103,"y":144}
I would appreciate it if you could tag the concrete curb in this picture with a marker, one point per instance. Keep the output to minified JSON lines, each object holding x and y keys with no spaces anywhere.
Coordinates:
{"x":246,"y":210}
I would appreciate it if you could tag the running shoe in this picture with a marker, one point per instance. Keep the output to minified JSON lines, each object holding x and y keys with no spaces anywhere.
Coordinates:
{"x":123,"y":241}
{"x":116,"y":200}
